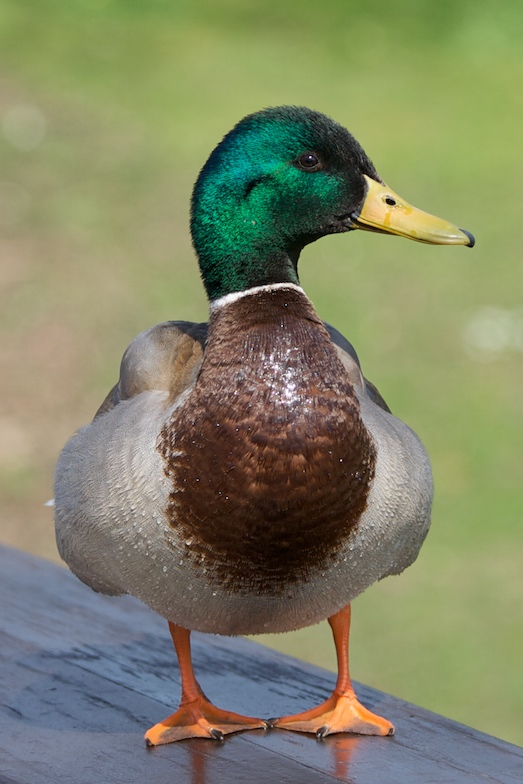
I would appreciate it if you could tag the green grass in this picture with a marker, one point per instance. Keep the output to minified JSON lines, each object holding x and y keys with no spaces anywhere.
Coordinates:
{"x":135,"y":94}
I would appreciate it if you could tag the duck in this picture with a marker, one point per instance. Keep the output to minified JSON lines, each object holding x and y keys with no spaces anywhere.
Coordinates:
{"x":243,"y":476}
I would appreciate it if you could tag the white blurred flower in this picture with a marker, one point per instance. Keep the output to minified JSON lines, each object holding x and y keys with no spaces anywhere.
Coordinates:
{"x":493,"y":332}
{"x":24,"y":126}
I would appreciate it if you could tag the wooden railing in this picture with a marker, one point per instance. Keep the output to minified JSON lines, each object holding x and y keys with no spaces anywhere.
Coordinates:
{"x":83,"y":675}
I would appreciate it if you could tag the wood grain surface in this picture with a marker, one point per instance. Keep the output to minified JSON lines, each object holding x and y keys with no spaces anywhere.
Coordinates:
{"x":82,"y":676}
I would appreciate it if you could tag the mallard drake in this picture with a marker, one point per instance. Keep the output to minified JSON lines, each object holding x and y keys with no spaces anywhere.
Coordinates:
{"x":243,"y":476}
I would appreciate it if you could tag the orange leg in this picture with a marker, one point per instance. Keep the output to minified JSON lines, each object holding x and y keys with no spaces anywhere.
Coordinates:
{"x":196,"y":717}
{"x":342,"y":712}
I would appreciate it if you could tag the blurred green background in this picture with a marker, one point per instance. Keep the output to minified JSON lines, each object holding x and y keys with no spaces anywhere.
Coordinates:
{"x":108,"y":108}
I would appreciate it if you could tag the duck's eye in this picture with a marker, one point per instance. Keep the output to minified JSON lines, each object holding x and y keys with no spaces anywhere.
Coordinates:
{"x":309,"y":161}
{"x":390,"y":201}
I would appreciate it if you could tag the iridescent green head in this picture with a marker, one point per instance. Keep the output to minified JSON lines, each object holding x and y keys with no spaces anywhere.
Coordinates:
{"x":282,"y":178}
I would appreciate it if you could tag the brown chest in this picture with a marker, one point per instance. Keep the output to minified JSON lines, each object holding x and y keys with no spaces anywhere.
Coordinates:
{"x":269,"y":461}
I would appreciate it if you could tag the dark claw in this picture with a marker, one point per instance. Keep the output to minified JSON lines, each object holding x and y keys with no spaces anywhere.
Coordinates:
{"x":392,"y":731}
{"x":270,"y":723}
{"x":148,"y":744}
{"x":322,"y":732}
{"x":216,"y":734}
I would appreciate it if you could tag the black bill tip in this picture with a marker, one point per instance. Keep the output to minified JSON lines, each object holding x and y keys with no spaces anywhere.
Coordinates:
{"x":472,"y":239}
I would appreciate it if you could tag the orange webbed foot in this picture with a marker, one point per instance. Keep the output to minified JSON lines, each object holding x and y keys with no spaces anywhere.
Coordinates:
{"x":342,"y":712}
{"x":196,"y":717}
{"x":199,"y":718}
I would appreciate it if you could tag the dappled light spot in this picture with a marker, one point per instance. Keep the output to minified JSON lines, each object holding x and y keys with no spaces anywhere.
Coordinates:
{"x":493,"y":333}
{"x":24,"y":126}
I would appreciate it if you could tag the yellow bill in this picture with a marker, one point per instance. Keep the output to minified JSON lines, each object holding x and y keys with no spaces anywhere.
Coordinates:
{"x":385,"y":211}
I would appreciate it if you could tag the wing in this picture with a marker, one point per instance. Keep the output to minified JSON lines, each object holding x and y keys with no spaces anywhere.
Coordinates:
{"x":166,"y":357}
{"x":348,"y":349}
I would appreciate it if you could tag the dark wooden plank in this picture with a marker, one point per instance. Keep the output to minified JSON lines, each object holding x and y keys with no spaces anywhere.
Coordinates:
{"x":83,"y":675}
